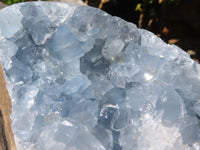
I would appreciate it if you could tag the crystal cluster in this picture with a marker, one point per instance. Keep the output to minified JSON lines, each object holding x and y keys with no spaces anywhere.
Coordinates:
{"x":80,"y":79}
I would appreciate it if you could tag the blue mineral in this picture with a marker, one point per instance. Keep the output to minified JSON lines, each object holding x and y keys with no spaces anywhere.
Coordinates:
{"x":80,"y":79}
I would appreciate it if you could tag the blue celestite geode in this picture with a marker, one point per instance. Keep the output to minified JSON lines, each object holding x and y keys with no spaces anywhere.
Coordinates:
{"x":80,"y":79}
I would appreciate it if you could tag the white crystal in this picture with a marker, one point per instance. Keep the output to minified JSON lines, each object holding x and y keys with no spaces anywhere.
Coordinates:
{"x":81,"y":79}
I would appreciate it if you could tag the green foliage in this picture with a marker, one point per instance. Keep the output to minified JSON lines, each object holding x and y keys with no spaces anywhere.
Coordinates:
{"x":152,"y":11}
{"x":9,"y":2}
{"x":142,"y":5}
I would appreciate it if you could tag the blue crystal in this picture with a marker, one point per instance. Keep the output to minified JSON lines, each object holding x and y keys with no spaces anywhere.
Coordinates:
{"x":81,"y":79}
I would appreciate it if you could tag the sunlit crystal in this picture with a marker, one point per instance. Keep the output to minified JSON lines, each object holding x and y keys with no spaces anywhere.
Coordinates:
{"x":80,"y":79}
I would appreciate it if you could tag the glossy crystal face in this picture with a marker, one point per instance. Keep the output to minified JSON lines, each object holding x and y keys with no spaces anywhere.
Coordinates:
{"x":80,"y":79}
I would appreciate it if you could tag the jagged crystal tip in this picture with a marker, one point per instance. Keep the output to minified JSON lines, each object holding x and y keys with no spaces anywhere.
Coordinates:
{"x":81,"y":79}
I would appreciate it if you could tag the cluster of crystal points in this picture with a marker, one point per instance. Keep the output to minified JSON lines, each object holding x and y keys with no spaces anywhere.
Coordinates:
{"x":80,"y":79}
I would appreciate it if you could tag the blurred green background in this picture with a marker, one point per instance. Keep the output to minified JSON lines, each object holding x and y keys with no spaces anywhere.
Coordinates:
{"x":9,"y":2}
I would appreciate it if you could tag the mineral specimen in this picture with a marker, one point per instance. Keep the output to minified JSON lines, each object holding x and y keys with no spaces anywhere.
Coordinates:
{"x":80,"y":79}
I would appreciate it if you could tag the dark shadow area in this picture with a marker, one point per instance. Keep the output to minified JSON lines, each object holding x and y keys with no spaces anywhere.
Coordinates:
{"x":3,"y":141}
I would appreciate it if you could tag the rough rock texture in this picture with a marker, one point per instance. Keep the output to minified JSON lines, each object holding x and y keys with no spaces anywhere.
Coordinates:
{"x":6,"y":135}
{"x":2,"y":5}
{"x":81,"y":79}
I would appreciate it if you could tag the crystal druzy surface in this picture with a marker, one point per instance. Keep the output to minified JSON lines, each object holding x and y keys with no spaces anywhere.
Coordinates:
{"x":80,"y":79}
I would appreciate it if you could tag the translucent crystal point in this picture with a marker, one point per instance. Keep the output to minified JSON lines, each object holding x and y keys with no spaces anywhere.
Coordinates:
{"x":80,"y":79}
